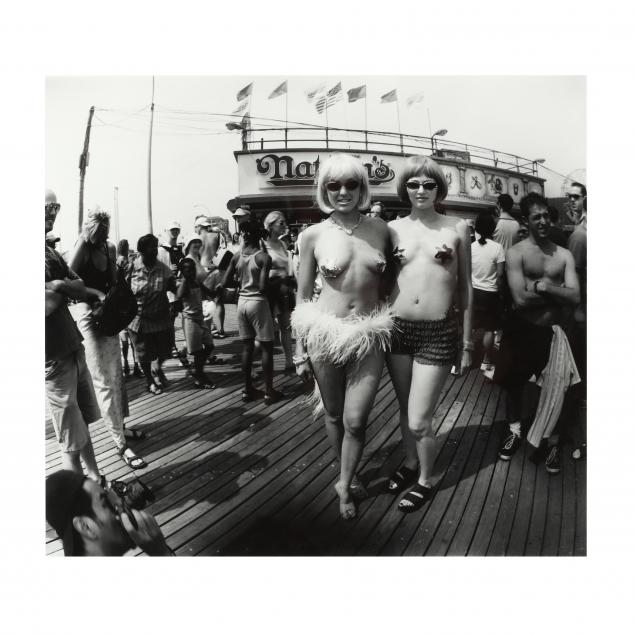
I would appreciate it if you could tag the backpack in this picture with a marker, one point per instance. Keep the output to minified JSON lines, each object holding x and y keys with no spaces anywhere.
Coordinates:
{"x":118,"y":308}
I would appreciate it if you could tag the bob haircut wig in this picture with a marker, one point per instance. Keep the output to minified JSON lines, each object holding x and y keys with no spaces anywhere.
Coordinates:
{"x":342,"y":166}
{"x":271,"y":218}
{"x":422,"y":166}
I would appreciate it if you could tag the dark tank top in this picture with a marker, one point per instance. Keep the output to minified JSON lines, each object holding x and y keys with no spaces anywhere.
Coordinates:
{"x":94,"y":278}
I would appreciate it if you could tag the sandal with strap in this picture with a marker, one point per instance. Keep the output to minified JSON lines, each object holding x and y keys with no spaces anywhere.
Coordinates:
{"x":402,"y":478}
{"x":348,"y":509}
{"x":131,"y":459}
{"x":134,"y":435}
{"x":415,"y":499}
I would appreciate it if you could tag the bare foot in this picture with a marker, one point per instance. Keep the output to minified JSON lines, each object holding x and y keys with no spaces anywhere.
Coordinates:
{"x":348,"y":510}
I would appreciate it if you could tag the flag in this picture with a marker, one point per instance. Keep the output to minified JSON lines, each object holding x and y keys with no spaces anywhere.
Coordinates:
{"x":414,"y":99}
{"x":388,"y":97}
{"x":241,"y":108}
{"x":313,"y":93}
{"x":356,"y":93}
{"x":245,"y":92}
{"x":281,"y":90}
{"x":242,"y":125}
{"x":332,"y":96}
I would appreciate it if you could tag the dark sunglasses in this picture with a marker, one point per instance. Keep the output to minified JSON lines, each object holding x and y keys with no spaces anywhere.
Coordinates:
{"x":336,"y":186}
{"x":415,"y":185}
{"x":574,"y":197}
{"x":52,"y":207}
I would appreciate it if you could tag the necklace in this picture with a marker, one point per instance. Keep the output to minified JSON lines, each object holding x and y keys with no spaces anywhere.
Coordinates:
{"x":350,"y":231}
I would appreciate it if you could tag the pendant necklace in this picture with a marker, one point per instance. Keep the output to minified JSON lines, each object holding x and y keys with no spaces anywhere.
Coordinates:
{"x":350,"y":231}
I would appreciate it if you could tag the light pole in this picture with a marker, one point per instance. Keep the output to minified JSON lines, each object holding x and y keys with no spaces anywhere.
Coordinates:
{"x":439,"y":133}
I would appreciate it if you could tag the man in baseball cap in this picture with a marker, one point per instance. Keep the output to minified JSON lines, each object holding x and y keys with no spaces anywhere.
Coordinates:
{"x":93,"y":521}
{"x":52,"y":240}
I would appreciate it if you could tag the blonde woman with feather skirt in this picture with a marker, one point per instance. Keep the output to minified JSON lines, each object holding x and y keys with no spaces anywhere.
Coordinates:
{"x":341,"y":336}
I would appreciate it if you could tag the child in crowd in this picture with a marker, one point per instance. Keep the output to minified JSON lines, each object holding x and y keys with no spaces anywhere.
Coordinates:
{"x":197,"y":336}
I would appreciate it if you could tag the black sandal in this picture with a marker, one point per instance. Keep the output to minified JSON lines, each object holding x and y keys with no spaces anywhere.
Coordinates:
{"x":402,"y":478}
{"x":134,"y":461}
{"x":415,"y":499}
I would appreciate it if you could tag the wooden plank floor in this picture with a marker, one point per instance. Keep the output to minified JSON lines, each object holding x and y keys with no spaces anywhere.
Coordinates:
{"x":247,"y":479}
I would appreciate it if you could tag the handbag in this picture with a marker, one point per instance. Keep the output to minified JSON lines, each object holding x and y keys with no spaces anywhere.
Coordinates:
{"x":118,"y":308}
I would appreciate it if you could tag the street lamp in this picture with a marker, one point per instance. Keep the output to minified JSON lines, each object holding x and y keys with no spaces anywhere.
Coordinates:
{"x":439,"y":133}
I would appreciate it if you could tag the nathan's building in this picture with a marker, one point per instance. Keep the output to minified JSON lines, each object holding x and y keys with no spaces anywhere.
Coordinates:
{"x":278,"y":172}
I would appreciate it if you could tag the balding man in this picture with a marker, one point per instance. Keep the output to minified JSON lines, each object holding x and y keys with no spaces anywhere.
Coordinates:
{"x":69,"y":387}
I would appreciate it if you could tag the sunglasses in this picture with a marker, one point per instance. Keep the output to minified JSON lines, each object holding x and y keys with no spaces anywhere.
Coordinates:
{"x":52,"y":207}
{"x":336,"y":186}
{"x":415,"y":185}
{"x":574,"y":197}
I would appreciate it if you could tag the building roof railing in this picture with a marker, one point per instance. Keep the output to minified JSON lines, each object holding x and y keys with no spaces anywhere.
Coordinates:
{"x":350,"y":139}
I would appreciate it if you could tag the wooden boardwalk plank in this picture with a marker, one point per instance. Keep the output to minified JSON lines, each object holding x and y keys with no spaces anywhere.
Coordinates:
{"x":580,"y":508}
{"x":567,"y":531}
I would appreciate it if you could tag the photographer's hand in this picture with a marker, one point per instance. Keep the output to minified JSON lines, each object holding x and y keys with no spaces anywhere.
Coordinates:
{"x":148,"y":536}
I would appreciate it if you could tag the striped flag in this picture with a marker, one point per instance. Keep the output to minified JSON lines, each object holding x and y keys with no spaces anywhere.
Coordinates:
{"x":314,"y":93}
{"x":241,"y":108}
{"x":281,"y":90}
{"x":332,"y":97}
{"x":388,"y":97}
{"x":356,"y":93}
{"x":414,"y":99}
{"x":245,"y":92}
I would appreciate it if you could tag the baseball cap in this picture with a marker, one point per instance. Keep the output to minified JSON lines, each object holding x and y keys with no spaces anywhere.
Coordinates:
{"x":62,"y":495}
{"x":51,"y":237}
{"x":242,"y":212}
{"x":203,"y":221}
{"x":174,"y":225}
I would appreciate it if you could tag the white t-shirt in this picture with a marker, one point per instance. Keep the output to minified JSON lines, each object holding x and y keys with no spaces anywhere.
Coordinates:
{"x":484,"y":260}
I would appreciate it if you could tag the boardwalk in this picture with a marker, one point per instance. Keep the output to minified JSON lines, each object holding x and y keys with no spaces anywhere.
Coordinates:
{"x":247,"y":479}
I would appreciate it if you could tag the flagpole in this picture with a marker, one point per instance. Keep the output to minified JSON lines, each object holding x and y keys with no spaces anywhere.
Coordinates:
{"x":365,"y":113}
{"x":399,"y":124}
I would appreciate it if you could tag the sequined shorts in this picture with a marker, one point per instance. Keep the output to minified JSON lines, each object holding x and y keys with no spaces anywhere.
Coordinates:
{"x":431,"y":342}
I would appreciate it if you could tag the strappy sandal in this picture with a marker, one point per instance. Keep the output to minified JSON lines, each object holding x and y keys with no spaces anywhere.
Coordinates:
{"x":402,"y":478}
{"x":154,"y":389}
{"x":134,"y":435}
{"x":131,"y":459}
{"x":348,"y":510}
{"x":415,"y":499}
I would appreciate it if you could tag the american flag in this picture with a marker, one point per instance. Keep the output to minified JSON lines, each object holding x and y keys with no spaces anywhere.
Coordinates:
{"x":332,"y":96}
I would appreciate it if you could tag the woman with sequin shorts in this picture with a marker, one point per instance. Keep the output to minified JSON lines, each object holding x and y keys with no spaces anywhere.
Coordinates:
{"x":341,"y":336}
{"x":431,"y":252}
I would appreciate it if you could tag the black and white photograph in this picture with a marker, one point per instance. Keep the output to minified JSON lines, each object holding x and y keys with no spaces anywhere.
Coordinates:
{"x":317,"y":352}
{"x":316,"y":316}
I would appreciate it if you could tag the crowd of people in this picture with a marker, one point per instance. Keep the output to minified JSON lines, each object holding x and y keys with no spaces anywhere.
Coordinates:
{"x":421,"y":294}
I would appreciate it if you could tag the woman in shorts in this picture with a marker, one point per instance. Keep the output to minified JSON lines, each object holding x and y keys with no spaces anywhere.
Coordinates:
{"x":432,"y":254}
{"x":342,"y":335}
{"x":282,"y":285}
{"x":488,"y":269}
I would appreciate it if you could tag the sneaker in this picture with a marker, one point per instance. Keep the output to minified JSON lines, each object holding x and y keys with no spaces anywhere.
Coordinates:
{"x":552,"y":462}
{"x":510,"y":445}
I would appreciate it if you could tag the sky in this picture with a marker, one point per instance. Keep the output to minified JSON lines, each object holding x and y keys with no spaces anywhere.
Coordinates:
{"x":193,"y":167}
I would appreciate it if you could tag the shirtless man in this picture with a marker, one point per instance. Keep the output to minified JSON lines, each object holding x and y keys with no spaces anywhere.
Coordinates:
{"x":210,"y":240}
{"x":543,"y":283}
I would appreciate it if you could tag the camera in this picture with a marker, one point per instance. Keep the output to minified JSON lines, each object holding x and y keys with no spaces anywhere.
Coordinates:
{"x":133,"y":495}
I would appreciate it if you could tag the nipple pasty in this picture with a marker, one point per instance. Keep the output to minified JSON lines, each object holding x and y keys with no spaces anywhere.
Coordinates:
{"x":444,"y":254}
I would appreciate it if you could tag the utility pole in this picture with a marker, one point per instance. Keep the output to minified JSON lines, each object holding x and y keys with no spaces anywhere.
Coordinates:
{"x":150,"y":162}
{"x":83,"y":162}
{"x":116,"y":211}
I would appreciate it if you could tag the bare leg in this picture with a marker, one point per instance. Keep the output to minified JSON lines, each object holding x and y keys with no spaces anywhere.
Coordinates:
{"x":267,"y":365}
{"x":362,"y":381}
{"x":488,"y":343}
{"x":284,"y":322}
{"x":247,"y":360}
{"x":219,"y":316}
{"x":427,"y":383}
{"x":400,"y":369}
{"x":331,"y":381}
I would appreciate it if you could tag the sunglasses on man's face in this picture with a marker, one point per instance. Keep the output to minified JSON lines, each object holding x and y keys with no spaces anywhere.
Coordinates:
{"x":336,"y":186}
{"x":415,"y":185}
{"x":52,"y":207}
{"x":574,"y":197}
